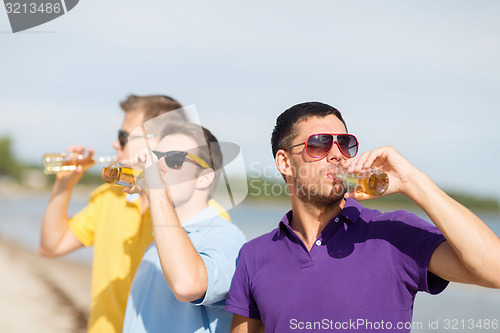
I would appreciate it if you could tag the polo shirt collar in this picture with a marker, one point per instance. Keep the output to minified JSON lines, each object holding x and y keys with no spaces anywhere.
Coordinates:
{"x":131,"y":197}
{"x":284,"y":224}
{"x":351,"y":212}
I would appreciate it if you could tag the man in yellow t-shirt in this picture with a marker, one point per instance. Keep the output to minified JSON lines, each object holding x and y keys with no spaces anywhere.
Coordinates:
{"x":114,"y":224}
{"x":117,"y":224}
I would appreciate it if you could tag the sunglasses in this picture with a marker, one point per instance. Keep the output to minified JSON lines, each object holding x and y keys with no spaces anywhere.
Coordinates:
{"x":175,"y":158}
{"x":123,"y":136}
{"x":319,"y":145}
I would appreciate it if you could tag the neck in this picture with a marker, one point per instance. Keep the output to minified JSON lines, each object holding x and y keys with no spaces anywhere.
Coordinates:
{"x":165,"y":212}
{"x":309,"y":220}
{"x":189,"y":208}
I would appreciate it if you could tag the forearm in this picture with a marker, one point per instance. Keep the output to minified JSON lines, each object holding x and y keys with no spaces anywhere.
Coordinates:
{"x":182,"y":266}
{"x":55,"y":220}
{"x":475,"y":245}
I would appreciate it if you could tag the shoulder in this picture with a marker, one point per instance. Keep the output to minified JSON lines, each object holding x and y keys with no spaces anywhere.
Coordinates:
{"x":405,"y":218}
{"x":401,"y":229}
{"x":216,"y":232}
{"x":259,"y":247}
{"x":368,"y":215}
{"x":231,"y":230}
{"x":400,"y":224}
{"x":107,"y":190}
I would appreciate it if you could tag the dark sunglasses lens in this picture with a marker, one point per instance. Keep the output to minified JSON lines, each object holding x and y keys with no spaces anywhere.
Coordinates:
{"x":348,"y":144}
{"x":175,"y":159}
{"x":319,"y":145}
{"x":158,"y":154}
{"x":122,"y":138}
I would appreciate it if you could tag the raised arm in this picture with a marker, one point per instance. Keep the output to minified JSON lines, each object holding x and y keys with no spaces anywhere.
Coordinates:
{"x":471,"y":251}
{"x":181,"y":264}
{"x":56,"y":237}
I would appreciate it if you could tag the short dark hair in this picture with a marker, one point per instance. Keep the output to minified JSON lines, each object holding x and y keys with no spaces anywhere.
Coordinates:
{"x":208,"y":146}
{"x":151,"y":105}
{"x":286,"y":124}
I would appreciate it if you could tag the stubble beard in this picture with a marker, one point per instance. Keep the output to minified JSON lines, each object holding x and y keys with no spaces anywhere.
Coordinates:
{"x":316,"y":193}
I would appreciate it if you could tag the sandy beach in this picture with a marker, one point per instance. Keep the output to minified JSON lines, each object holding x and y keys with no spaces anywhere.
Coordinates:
{"x":41,"y":294}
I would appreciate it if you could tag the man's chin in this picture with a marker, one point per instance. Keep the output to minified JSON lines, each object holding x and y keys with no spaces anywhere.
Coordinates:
{"x":336,"y":195}
{"x":338,"y":190}
{"x":335,"y":200}
{"x":323,"y":200}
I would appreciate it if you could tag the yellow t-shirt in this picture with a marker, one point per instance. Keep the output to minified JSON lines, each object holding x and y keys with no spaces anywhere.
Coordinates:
{"x":120,"y":235}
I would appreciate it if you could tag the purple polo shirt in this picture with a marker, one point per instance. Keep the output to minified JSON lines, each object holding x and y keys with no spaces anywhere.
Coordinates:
{"x":361,"y":275}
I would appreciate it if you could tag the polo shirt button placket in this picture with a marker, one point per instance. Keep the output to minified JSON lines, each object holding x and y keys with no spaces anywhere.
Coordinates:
{"x":337,"y":220}
{"x":318,"y":242}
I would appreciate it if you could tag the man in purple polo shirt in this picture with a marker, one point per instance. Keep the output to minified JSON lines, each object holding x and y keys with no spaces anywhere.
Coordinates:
{"x":332,"y":265}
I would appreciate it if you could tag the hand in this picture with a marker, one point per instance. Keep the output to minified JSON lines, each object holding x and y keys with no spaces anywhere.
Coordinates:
{"x":152,"y":176}
{"x":72,"y":177}
{"x":398,"y":169}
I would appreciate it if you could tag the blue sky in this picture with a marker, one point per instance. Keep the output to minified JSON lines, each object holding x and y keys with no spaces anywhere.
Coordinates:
{"x":422,"y":76}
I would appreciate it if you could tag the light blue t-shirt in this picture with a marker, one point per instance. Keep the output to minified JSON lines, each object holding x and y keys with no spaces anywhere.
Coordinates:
{"x":152,"y":307}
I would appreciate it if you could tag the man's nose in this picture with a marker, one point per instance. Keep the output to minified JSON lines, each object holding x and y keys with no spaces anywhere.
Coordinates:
{"x":116,"y":145}
{"x":334,"y":153}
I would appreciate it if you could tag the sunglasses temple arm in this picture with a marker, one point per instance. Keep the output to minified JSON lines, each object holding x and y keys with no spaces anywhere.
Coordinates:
{"x":198,"y":160}
{"x":299,"y":144}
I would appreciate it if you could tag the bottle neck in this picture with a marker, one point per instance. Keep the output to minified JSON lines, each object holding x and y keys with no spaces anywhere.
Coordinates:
{"x":100,"y":159}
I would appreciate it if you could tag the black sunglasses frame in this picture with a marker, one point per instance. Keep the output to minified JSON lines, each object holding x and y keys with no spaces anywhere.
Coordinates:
{"x":123,"y":137}
{"x":178,"y":164}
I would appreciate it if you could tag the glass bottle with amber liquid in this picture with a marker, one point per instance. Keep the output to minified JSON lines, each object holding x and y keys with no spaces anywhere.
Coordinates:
{"x":372,"y":181}
{"x":58,"y":162}
{"x":120,"y":174}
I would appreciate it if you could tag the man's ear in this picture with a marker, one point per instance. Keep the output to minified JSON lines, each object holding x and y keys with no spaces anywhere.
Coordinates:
{"x":282,"y":161}
{"x":205,"y":179}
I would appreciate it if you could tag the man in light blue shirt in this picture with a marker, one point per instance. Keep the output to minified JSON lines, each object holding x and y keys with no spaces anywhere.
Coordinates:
{"x":183,"y":279}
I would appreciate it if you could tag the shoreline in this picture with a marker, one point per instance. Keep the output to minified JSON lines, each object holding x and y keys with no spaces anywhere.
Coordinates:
{"x":42,"y":294}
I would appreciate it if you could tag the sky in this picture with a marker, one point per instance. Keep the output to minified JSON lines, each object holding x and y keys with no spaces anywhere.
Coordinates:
{"x":421,"y":76}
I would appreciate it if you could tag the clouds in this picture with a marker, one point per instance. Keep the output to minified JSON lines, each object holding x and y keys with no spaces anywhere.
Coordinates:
{"x":403,"y":73}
